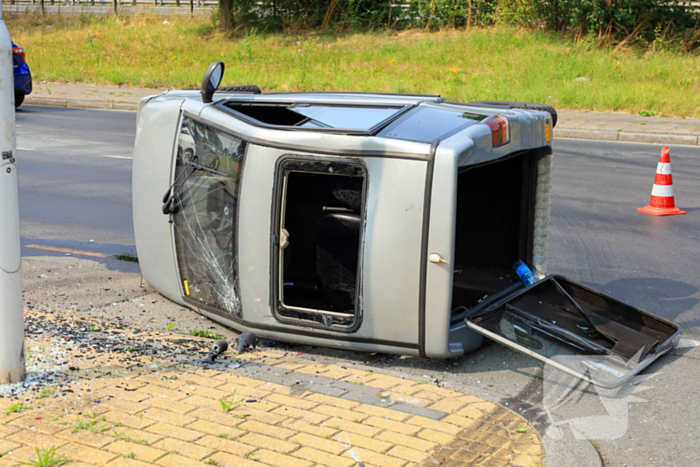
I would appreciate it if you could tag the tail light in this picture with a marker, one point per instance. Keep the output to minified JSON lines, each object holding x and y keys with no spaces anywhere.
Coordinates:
{"x":19,"y":51}
{"x":499,"y":131}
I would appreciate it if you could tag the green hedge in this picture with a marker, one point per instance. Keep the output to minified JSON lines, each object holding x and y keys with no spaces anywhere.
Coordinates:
{"x":649,"y":20}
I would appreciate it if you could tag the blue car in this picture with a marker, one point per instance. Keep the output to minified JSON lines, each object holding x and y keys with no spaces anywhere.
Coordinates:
{"x":23,"y":77}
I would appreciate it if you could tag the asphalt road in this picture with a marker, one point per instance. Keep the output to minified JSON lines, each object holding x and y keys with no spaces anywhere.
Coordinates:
{"x":75,"y":186}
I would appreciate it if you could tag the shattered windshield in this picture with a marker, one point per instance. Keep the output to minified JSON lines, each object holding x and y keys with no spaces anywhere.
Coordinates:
{"x":209,"y":164}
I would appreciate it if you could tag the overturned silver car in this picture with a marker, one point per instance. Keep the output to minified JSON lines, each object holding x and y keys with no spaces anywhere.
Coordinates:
{"x":377,"y":222}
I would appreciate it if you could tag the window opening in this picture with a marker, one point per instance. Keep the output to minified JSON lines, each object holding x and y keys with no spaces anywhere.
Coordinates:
{"x":320,"y":231}
{"x":317,"y":115}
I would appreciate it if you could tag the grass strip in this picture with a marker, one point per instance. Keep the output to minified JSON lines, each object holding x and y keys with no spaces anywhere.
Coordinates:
{"x":478,"y":64}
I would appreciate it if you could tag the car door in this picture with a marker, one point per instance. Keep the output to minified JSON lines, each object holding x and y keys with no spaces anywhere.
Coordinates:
{"x":576,"y":329}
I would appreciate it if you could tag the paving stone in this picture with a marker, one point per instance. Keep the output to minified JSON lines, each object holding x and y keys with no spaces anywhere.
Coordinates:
{"x":287,"y":401}
{"x":374,"y":458}
{"x":142,"y":453}
{"x":299,"y":426}
{"x":77,"y":451}
{"x":367,"y":399}
{"x":291,"y":412}
{"x":307,"y":440}
{"x":122,"y":462}
{"x":267,"y":430}
{"x":323,"y":458}
{"x":191,"y":450}
{"x":331,"y":391}
{"x":354,"y":387}
{"x":86,"y":437}
{"x":133,"y":435}
{"x":172,"y":431}
{"x":267,"y":442}
{"x":228,"y":460}
{"x":36,"y":439}
{"x":6,"y":446}
{"x":226,"y":445}
{"x":352,"y":427}
{"x":383,"y":412}
{"x":421,"y":411}
{"x":352,"y":440}
{"x":392,"y":425}
{"x":330,"y":400}
{"x":436,"y":436}
{"x":214,"y":429}
{"x":337,"y":412}
{"x":284,"y":380}
{"x":44,"y":425}
{"x":171,"y":404}
{"x":248,"y":369}
{"x":405,"y":440}
{"x":167,"y":416}
{"x":279,"y":460}
{"x":408,"y":454}
{"x":239,"y":380}
{"x":176,"y":460}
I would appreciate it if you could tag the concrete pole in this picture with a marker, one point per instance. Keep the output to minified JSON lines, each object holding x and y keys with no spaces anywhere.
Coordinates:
{"x":12,"y":364}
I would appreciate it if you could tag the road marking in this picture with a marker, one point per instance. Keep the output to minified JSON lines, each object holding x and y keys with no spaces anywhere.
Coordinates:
{"x":25,"y":149}
{"x":68,"y":250}
{"x":119,"y":157}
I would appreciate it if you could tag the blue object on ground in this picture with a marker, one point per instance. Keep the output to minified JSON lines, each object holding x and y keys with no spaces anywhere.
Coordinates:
{"x":524,"y":272}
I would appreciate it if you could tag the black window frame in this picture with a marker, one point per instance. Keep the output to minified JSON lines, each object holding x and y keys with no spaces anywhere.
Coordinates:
{"x":306,"y":318}
{"x":402,"y":109}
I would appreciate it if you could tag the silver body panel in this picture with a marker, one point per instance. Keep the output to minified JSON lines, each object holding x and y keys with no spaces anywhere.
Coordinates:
{"x":399,"y":171}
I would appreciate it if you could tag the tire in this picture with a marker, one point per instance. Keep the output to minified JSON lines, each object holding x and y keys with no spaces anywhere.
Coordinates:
{"x":519,"y":105}
{"x":19,"y":98}
{"x":247,"y":88}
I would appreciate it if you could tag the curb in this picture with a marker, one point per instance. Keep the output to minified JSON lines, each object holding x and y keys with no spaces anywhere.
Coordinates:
{"x":563,"y":133}
{"x":80,"y":104}
{"x":654,"y":138}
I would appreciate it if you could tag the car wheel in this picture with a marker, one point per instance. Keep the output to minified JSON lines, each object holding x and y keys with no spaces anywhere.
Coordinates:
{"x":19,"y":98}
{"x":251,"y":88}
{"x":188,"y":155}
{"x":519,"y":105}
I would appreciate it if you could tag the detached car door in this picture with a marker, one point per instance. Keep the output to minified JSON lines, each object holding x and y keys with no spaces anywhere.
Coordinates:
{"x":576,"y":329}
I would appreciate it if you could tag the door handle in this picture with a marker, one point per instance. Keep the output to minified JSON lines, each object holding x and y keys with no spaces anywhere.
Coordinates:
{"x":284,"y":238}
{"x":436,"y":258}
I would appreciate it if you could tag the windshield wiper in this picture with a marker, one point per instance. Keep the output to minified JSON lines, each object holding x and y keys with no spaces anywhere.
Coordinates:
{"x":559,"y":333}
{"x":170,"y":204}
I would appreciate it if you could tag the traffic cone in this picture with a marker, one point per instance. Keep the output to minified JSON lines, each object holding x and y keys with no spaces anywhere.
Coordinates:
{"x":662,"y":202}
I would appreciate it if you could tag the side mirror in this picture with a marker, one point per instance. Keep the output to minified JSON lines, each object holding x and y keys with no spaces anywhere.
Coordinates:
{"x":212,"y":80}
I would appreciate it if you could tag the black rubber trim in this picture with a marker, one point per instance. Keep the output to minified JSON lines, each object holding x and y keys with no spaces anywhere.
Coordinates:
{"x":517,"y":105}
{"x":275,"y":303}
{"x":300,"y":332}
{"x":422,"y":287}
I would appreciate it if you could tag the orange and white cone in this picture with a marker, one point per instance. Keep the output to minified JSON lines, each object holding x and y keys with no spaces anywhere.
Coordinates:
{"x":662,"y":202}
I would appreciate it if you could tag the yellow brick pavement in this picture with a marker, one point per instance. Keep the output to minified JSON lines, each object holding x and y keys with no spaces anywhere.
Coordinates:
{"x":169,"y":414}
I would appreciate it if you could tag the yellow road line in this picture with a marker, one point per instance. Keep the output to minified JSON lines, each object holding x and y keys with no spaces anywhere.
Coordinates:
{"x":68,"y":250}
{"x":119,"y":157}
